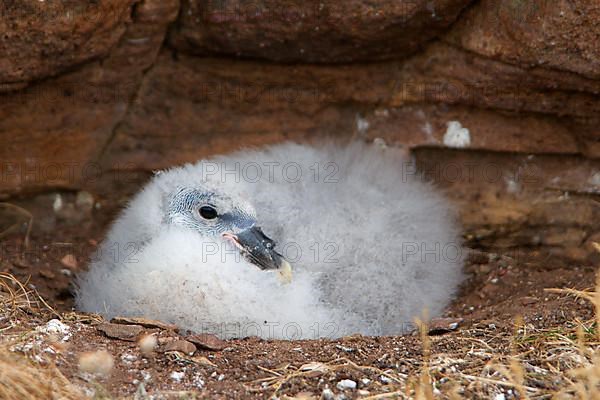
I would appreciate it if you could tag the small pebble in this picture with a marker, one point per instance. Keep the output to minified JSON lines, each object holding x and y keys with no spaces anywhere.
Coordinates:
{"x":207,"y":341}
{"x":123,"y":332}
{"x":182,"y":346}
{"x":327,"y":394}
{"x":69,"y":261}
{"x":84,"y":201}
{"x":128,"y":358}
{"x":344,"y":348}
{"x":346,"y":384}
{"x":57,"y":329}
{"x":177,"y":376}
{"x":145,"y":322}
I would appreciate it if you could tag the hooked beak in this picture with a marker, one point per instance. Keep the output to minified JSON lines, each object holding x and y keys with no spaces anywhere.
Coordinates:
{"x":257,"y":248}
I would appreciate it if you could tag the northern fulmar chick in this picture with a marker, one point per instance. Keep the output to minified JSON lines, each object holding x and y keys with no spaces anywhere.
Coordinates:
{"x":205,"y":246}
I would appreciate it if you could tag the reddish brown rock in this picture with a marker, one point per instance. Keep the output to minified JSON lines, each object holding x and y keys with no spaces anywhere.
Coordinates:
{"x":201,"y":104}
{"x":207,"y":341}
{"x":569,"y":237}
{"x":182,"y":346}
{"x":123,"y":112}
{"x":522,"y":77}
{"x":52,"y":133}
{"x":118,"y":331}
{"x":438,"y":326}
{"x":517,"y":175}
{"x":450,"y":75}
{"x":46,"y":273}
{"x":514,"y":202}
{"x":213,"y":99}
{"x":554,"y":34}
{"x":145,"y":322}
{"x":312,"y":31}
{"x":42,"y":38}
{"x":70,"y":261}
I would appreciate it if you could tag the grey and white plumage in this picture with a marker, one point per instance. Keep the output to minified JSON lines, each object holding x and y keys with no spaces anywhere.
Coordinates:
{"x":371,"y":245}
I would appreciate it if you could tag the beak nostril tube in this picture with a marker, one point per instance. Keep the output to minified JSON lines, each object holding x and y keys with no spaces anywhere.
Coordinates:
{"x":257,"y":248}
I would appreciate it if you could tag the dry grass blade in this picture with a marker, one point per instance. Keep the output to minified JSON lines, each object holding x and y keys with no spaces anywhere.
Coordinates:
{"x":584,"y":294}
{"x":21,"y":379}
{"x":15,"y":297}
{"x":591,"y":296}
{"x":424,"y":387}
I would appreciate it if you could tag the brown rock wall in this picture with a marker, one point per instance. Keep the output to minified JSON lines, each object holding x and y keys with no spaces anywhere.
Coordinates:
{"x":311,"y":31}
{"x":89,"y":88}
{"x":40,"y":39}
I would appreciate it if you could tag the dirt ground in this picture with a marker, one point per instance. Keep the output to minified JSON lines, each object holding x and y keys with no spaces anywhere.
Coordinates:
{"x":500,"y":289}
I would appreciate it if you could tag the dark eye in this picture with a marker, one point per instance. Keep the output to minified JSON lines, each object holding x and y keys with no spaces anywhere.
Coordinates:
{"x":208,"y":212}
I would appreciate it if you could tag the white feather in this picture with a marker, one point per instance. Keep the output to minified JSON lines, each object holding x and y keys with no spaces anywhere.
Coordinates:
{"x":372,"y":246}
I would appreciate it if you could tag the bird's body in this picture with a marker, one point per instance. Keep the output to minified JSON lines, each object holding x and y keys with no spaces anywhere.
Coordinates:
{"x":371,"y":245}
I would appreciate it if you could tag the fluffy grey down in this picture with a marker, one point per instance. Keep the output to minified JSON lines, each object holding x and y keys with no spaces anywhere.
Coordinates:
{"x":371,"y":246}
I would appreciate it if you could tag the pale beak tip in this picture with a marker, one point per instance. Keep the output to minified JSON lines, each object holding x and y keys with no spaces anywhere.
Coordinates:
{"x":285,"y":272}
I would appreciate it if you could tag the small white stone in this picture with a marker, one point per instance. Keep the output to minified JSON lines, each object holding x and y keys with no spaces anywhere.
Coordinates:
{"x":595,"y":179}
{"x":327,"y":394}
{"x":379,"y":142}
{"x":344,"y":348}
{"x":177,"y":376}
{"x":346,"y":384}
{"x":128,"y":358}
{"x":427,"y":129}
{"x":362,"y":125}
{"x":84,"y":200}
{"x":365,"y":381}
{"x":385,"y":379}
{"x":57,"y":328}
{"x":146,"y":375}
{"x":456,"y":136}
{"x":58,"y":203}
{"x":198,"y":381}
